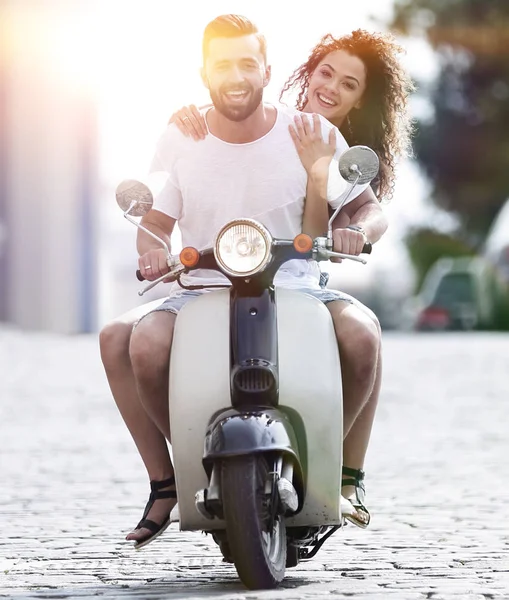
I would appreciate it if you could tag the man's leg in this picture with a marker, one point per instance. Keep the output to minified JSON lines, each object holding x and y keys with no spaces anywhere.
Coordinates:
{"x":149,"y":351}
{"x":114,"y":343}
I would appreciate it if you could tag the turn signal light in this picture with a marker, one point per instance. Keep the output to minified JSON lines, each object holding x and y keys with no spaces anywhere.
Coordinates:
{"x":303,"y":243}
{"x":189,"y":257}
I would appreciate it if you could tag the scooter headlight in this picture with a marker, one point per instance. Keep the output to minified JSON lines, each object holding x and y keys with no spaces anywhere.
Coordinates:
{"x":243,"y":248}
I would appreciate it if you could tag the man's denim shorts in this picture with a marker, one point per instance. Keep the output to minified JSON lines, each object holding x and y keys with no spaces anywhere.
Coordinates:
{"x":174,"y":303}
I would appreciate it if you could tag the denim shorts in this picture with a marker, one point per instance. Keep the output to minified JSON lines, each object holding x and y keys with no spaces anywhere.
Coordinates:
{"x":174,"y":303}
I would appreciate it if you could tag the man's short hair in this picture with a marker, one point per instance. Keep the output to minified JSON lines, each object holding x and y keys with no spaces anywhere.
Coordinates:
{"x":232,"y":26}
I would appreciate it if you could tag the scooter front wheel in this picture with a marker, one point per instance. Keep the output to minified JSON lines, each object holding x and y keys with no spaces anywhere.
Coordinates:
{"x":257,"y":542}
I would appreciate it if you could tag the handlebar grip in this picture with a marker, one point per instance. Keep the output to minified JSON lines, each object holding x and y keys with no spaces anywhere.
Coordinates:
{"x":367,"y":248}
{"x":139,"y":276}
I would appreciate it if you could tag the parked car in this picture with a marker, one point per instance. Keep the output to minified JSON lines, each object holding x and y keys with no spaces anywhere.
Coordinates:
{"x":457,"y":294}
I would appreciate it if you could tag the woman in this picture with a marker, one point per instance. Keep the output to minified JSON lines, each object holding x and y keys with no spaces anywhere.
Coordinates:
{"x":358,"y":84}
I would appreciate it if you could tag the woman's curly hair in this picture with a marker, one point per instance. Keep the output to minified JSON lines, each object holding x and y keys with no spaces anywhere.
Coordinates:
{"x":382,"y":122}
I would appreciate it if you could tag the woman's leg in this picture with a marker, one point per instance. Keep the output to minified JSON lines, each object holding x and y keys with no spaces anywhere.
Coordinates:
{"x":358,"y":341}
{"x":357,"y":344}
{"x":355,"y":445}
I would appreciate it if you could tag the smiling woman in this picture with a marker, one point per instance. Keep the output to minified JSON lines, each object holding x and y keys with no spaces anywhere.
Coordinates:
{"x":359,"y":83}
{"x":340,"y":71}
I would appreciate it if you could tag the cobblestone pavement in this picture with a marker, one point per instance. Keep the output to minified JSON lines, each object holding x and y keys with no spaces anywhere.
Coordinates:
{"x":437,"y":476}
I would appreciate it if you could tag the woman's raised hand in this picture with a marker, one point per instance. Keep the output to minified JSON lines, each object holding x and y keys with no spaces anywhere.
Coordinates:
{"x":190,"y":122}
{"x":313,"y":151}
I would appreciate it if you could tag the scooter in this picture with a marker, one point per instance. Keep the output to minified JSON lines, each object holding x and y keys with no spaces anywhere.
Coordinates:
{"x":255,"y":394}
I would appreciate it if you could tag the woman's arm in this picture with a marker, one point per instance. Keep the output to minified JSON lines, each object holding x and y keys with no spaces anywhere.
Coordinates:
{"x":315,"y":155}
{"x":368,"y":222}
{"x":316,"y":207}
{"x":190,"y":121}
{"x":365,"y":212}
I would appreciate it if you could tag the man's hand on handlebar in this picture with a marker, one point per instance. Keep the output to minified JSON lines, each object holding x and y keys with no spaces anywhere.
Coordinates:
{"x":153,"y":264}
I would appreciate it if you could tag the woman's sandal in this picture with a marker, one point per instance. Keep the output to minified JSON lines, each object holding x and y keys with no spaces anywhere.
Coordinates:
{"x":358,"y":501}
{"x":155,"y":528}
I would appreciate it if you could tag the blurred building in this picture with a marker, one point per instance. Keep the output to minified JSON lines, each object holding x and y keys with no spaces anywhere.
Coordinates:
{"x":48,"y":177}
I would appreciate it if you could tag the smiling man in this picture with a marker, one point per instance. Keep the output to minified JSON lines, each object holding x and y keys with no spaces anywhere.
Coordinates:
{"x":231,"y":71}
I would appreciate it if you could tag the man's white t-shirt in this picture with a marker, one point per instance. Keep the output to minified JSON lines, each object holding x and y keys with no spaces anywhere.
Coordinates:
{"x":210,"y":182}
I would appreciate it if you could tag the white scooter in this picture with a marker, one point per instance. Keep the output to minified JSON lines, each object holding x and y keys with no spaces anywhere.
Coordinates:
{"x":255,"y":395}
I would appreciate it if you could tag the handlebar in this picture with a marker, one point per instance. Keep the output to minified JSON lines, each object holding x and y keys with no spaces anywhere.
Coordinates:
{"x":207,"y":259}
{"x":173,"y":264}
{"x":172,"y":275}
{"x":367,"y":248}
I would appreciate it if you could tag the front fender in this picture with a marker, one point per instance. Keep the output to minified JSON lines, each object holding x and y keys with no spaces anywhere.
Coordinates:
{"x":234,"y":433}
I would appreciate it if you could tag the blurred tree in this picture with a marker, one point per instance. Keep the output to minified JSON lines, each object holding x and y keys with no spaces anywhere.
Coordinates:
{"x":426,"y":246}
{"x":464,"y":149}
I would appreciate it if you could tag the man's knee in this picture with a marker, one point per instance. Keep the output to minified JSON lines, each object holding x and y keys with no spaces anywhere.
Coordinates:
{"x":114,"y":343}
{"x":149,"y":349}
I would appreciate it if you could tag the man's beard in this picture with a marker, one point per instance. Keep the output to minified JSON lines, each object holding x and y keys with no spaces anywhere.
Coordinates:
{"x":236,"y":113}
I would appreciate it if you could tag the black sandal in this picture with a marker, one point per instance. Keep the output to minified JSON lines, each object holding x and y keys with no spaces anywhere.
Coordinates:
{"x":155,"y":528}
{"x":360,"y":493}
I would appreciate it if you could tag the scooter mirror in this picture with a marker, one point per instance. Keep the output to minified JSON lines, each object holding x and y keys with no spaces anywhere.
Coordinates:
{"x":134,"y":197}
{"x":358,"y":165}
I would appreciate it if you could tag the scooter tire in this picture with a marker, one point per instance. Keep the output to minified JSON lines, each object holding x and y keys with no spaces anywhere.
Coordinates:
{"x":259,"y":556}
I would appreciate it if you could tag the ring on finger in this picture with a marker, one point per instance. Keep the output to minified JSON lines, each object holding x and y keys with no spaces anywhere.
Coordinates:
{"x":184,"y":118}
{"x":148,"y":267}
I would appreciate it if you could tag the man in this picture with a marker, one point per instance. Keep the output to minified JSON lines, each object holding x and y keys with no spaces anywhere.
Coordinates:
{"x":247,"y":167}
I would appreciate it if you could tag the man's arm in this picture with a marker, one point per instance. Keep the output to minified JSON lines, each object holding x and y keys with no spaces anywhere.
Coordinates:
{"x":152,"y":261}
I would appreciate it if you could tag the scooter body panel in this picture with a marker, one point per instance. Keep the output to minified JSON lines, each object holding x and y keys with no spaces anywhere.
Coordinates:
{"x":309,"y":393}
{"x":310,"y":384}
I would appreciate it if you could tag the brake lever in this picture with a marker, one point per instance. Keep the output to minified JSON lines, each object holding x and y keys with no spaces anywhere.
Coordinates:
{"x":324,"y":254}
{"x":170,"y":277}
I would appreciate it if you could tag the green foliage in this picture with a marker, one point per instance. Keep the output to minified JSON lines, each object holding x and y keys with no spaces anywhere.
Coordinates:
{"x":426,"y":246}
{"x":465,"y":149}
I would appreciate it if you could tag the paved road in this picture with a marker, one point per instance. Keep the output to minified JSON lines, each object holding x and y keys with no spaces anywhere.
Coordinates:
{"x":438,"y":477}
